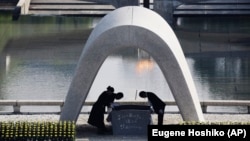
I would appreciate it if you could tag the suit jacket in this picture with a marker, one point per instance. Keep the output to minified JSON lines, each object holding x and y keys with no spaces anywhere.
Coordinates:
{"x":96,"y":116}
{"x":156,"y":102}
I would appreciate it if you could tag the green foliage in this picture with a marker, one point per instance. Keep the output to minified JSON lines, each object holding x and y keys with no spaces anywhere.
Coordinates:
{"x":37,"y":131}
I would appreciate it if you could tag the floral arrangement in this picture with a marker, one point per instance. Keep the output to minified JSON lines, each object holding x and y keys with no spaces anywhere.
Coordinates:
{"x":37,"y":131}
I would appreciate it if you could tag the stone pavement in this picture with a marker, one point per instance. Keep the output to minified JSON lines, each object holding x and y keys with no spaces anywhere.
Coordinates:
{"x":85,"y":132}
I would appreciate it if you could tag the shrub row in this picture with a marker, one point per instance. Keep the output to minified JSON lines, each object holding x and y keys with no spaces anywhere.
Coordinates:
{"x":37,"y":131}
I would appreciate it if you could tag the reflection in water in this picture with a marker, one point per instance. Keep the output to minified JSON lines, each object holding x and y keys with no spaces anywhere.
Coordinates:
{"x":144,"y":65}
{"x":121,"y":71}
{"x":144,"y":62}
{"x":8,"y":61}
{"x":40,"y":66}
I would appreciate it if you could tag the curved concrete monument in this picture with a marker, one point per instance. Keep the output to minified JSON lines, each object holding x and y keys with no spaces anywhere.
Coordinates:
{"x":138,"y":27}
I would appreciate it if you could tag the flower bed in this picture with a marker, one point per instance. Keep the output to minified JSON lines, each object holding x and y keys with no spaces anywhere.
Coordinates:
{"x":37,"y":131}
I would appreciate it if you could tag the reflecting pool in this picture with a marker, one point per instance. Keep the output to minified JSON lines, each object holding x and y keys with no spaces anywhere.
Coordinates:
{"x":38,"y":56}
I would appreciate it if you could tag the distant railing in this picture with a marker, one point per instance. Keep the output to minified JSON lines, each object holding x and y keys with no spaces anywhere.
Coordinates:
{"x":16,"y":104}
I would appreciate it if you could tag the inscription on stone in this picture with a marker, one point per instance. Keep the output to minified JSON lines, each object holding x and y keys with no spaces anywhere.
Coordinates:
{"x":130,"y":122}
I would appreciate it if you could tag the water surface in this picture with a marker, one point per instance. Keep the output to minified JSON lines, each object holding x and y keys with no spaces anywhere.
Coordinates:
{"x":39,"y":56}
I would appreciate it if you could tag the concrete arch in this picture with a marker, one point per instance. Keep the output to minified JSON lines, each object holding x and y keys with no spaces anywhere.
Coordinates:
{"x":134,"y":26}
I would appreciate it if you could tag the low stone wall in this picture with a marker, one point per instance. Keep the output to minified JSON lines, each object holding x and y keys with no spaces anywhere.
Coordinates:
{"x":17,"y":104}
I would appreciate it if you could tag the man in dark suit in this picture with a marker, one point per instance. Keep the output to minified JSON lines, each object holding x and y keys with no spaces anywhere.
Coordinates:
{"x":157,"y":104}
{"x":96,"y":117}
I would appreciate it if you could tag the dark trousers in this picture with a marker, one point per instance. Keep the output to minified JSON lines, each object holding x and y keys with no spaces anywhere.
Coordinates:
{"x":161,"y":116}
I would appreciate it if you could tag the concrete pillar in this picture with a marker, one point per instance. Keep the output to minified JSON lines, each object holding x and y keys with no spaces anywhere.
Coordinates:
{"x":16,"y":109}
{"x":16,"y":13}
{"x":121,"y":3}
{"x":146,"y":3}
{"x":165,"y":9}
{"x":204,"y":108}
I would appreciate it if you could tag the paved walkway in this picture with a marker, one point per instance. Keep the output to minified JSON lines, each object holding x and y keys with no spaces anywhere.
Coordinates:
{"x":85,"y":132}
